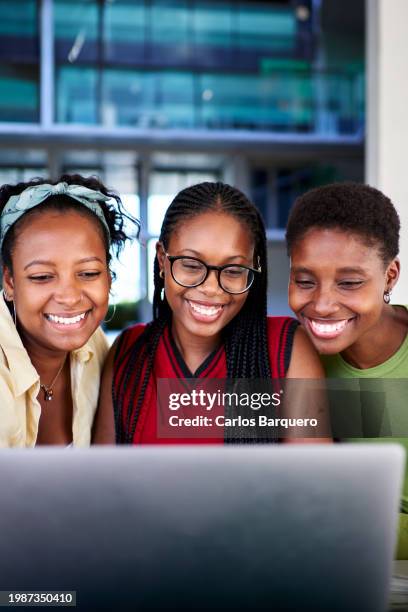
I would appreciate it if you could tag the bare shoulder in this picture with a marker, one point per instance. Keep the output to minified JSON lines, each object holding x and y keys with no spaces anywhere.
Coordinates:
{"x":104,"y":424}
{"x":304,"y":362}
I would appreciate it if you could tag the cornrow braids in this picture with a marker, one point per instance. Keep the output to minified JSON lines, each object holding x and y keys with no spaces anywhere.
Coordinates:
{"x":245,"y":337}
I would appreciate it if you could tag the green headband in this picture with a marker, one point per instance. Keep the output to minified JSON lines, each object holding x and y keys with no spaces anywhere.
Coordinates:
{"x":18,"y":205}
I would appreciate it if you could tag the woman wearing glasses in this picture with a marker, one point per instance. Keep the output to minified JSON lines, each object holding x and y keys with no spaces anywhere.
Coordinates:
{"x":209,"y":315}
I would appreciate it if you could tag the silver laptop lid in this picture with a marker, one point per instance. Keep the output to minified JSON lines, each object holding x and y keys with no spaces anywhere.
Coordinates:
{"x":203,"y":528}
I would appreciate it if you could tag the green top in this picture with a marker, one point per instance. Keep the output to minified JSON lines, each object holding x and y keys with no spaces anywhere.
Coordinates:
{"x":397,"y":406}
{"x":395,"y":367}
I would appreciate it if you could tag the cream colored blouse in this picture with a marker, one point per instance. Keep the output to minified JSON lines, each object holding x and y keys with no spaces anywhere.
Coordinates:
{"x":20,"y":383}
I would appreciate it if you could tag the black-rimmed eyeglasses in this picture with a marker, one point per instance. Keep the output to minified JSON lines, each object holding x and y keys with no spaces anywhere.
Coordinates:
{"x":192,"y":272}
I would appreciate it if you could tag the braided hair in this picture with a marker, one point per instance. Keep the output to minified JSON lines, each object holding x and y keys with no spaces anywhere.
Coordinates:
{"x":245,"y":337}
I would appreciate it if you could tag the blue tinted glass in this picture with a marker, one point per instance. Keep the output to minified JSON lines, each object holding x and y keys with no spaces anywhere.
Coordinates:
{"x":175,"y":93}
{"x":19,"y":61}
{"x":170,"y":22}
{"x":147,"y":99}
{"x":213,"y":24}
{"x":266,"y":28}
{"x":127,"y":98}
{"x":18,"y":18}
{"x":338,"y":98}
{"x":76,"y":95}
{"x":124,"y":31}
{"x":19,"y":93}
{"x":297,"y":100}
{"x":76,"y":30}
{"x":197,"y":63}
{"x":252,"y":102}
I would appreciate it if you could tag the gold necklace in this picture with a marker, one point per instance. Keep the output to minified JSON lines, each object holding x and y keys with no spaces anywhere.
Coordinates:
{"x":48,"y":389}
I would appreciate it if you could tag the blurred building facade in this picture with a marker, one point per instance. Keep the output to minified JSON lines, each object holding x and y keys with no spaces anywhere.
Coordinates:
{"x":155,"y":95}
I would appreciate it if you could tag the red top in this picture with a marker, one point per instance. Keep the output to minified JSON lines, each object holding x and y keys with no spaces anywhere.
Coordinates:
{"x":169,"y":363}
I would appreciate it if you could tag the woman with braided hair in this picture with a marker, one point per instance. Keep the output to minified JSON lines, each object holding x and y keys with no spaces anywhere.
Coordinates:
{"x":56,"y":240}
{"x":209,"y":314}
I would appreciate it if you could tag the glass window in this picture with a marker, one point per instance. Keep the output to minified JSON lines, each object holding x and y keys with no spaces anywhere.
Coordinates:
{"x":213,"y":24}
{"x":19,"y":100}
{"x":293,"y":182}
{"x":174,"y":97}
{"x":124,"y":31}
{"x":212,"y":36}
{"x":127,"y":98}
{"x":20,"y":165}
{"x":244,"y":101}
{"x":266,"y":28}
{"x":19,"y":31}
{"x":77,"y":95}
{"x":260,"y":192}
{"x":164,"y":185}
{"x":193,"y":64}
{"x":76,"y":24}
{"x":19,"y":61}
{"x":170,"y":21}
{"x":274,"y":190}
{"x":147,"y":99}
{"x":342,"y":103}
{"x":18,"y":19}
{"x":228,"y":101}
{"x":170,"y":27}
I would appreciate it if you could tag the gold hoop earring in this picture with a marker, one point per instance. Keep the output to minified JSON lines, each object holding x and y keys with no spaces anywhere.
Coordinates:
{"x":112,"y":315}
{"x":161,"y":273}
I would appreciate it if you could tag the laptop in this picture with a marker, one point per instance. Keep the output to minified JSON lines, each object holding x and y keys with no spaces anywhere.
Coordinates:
{"x":289,"y":527}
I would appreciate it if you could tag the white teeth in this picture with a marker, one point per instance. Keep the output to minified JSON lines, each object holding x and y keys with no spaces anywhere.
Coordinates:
{"x":208,"y":311}
{"x":66,"y":320}
{"x":328,"y":328}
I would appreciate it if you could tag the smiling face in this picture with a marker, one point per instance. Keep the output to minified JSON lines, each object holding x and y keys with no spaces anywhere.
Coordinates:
{"x":336,"y":288}
{"x":217,"y":239}
{"x":60,"y":280}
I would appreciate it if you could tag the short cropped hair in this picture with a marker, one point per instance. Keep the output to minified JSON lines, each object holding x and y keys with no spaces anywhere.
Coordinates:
{"x":351,"y":207}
